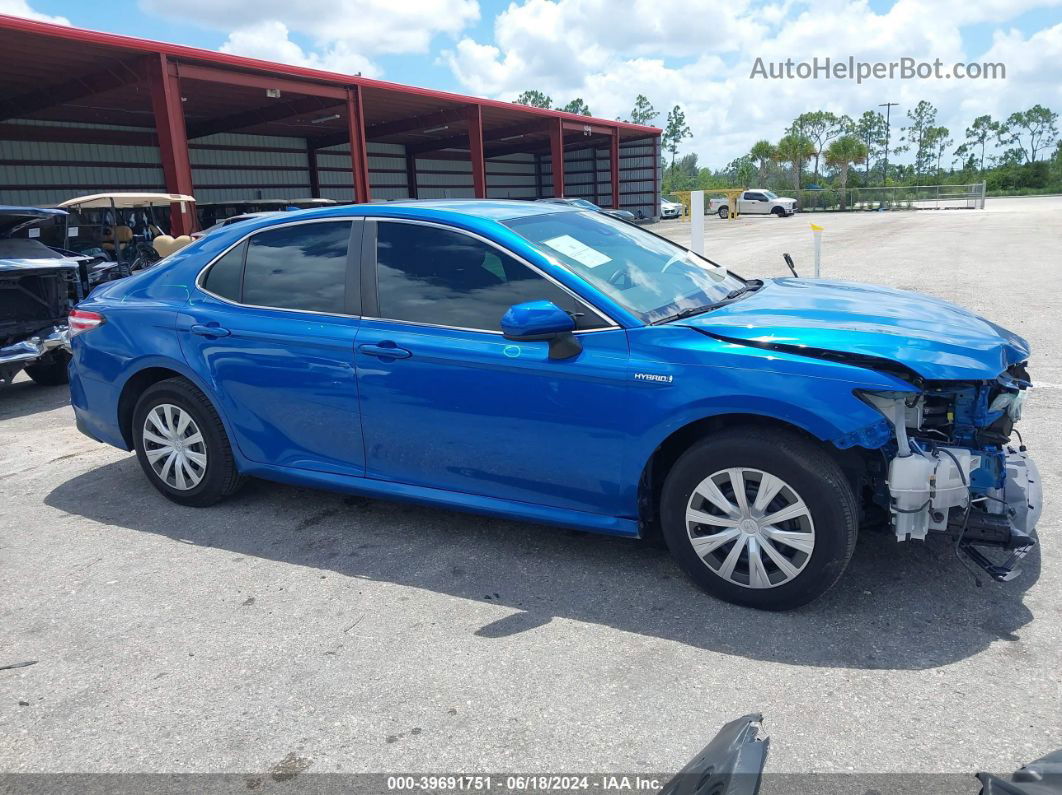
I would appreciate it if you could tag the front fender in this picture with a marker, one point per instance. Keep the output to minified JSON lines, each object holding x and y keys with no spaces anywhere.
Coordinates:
{"x":682,"y":377}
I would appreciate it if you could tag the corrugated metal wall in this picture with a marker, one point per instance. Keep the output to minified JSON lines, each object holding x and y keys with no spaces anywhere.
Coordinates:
{"x":47,"y":172}
{"x":235,"y":166}
{"x":587,"y":175}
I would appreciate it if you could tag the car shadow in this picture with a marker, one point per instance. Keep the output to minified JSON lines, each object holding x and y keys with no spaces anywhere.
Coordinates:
{"x":23,"y":398}
{"x":899,"y":606}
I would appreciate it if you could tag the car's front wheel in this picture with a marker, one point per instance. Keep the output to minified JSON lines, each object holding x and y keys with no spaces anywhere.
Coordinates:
{"x":779,"y":212}
{"x":182,"y":446}
{"x":760,"y":517}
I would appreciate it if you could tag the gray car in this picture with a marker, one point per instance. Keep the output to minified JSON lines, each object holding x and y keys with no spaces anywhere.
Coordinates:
{"x":623,"y":215}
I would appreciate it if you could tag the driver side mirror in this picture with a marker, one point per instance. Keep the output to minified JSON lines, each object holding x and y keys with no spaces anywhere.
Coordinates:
{"x":542,"y":320}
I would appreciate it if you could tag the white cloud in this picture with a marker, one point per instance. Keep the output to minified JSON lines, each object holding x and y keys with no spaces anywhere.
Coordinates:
{"x":20,"y":8}
{"x":343,"y":34}
{"x":269,"y":41}
{"x":607,"y":54}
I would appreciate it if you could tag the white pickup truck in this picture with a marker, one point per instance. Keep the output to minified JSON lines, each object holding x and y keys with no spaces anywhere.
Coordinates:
{"x":756,"y":202}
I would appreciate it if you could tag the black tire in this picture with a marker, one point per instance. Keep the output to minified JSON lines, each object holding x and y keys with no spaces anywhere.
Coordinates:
{"x":810,"y":474}
{"x":724,"y":213}
{"x":221,"y":477}
{"x":779,"y":212}
{"x":51,"y":371}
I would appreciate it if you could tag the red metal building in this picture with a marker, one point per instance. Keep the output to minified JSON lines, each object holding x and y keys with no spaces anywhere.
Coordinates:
{"x":83,"y":112}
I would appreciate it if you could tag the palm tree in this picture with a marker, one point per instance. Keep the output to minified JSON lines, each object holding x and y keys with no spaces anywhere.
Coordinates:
{"x":796,"y":150}
{"x":763,"y":153}
{"x":841,"y":154}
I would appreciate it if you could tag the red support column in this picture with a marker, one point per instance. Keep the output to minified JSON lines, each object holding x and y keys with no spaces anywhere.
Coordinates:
{"x":359,"y":159}
{"x":613,"y":167}
{"x":475,"y":151}
{"x":165,"y":89}
{"x":556,"y":154}
{"x":315,"y":177}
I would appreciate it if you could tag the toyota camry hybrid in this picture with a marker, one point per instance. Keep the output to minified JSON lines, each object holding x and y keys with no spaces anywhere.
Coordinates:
{"x":554,"y":365}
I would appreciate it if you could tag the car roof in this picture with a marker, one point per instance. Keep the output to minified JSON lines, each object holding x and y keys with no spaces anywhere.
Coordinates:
{"x":453,"y":209}
{"x":13,"y":217}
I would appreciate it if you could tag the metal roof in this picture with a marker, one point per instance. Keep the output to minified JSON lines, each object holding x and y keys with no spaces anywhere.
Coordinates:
{"x":64,"y":74}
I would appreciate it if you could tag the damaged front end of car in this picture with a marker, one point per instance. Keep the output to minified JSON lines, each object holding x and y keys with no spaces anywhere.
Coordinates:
{"x":953,"y":467}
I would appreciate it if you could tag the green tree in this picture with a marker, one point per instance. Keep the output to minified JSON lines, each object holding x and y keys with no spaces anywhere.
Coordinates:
{"x":937,"y":141}
{"x":536,"y":99}
{"x":841,"y":154}
{"x":916,"y":135}
{"x":577,"y":106}
{"x":795,"y":150}
{"x":675,"y":131}
{"x":643,"y":111}
{"x":977,"y":135}
{"x":871,"y":131}
{"x":763,"y":153}
{"x":1031,"y":131}
{"x":820,"y":127}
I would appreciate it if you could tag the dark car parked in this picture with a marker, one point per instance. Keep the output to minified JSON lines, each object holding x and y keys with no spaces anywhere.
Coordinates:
{"x":583,"y":204}
{"x":39,"y":285}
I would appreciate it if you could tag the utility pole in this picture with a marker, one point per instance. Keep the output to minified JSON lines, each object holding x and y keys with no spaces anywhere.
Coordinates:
{"x":885,"y":171}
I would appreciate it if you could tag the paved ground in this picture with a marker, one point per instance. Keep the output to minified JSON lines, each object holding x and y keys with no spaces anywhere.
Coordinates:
{"x":290,"y":627}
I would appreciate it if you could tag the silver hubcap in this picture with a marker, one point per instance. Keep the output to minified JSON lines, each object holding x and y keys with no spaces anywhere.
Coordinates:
{"x":750,"y":527}
{"x":174,"y":447}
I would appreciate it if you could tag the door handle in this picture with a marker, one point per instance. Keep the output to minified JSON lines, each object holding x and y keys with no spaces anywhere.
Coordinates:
{"x":385,"y":350}
{"x":208,"y":330}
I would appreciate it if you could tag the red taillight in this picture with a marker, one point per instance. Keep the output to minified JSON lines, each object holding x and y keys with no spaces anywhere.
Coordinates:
{"x":79,"y":320}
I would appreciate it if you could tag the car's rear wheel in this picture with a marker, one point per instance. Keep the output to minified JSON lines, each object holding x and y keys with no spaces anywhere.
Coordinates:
{"x":724,"y":212}
{"x":51,"y":370}
{"x":182,"y":446}
{"x":761,"y":518}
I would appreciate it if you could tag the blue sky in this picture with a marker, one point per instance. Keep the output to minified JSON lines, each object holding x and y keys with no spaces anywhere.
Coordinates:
{"x":696,"y":54}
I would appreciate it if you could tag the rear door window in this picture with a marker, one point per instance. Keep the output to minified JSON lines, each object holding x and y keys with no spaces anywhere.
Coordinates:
{"x":303,"y":267}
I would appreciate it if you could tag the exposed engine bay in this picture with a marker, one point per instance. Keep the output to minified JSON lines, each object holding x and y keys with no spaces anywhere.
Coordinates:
{"x":953,"y":468}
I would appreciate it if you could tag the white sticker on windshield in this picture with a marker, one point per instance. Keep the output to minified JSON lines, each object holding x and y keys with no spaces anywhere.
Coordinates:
{"x":580,"y":252}
{"x":34,"y":232}
{"x":72,"y":232}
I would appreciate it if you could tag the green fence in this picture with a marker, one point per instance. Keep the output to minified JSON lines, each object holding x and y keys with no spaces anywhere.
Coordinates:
{"x":898,"y":197}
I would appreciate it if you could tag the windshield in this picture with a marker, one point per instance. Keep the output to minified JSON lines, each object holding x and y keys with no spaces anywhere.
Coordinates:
{"x":770,"y":194}
{"x":584,"y":204}
{"x":648,"y":275}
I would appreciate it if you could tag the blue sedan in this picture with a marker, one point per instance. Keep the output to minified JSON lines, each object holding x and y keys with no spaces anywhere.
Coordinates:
{"x":555,"y":365}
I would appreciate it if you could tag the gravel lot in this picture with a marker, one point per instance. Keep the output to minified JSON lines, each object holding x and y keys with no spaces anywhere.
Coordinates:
{"x":328,"y":633}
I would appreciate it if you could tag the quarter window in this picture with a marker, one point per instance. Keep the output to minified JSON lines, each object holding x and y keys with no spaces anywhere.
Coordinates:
{"x":225,"y":275}
{"x":303,"y":266}
{"x":445,"y":278}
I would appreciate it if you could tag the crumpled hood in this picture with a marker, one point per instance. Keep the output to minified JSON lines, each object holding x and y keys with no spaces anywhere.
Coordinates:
{"x":936,"y":339}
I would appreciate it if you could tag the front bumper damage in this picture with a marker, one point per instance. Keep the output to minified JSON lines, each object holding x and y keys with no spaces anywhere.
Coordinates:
{"x":953,"y":469}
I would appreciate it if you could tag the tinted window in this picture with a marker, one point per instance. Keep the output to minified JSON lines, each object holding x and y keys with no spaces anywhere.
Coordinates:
{"x":298,"y":267}
{"x":432,"y":275}
{"x":223,"y":278}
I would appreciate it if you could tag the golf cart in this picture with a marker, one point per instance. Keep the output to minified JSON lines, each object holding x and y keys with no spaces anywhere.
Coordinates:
{"x":129,"y":229}
{"x":39,"y":285}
